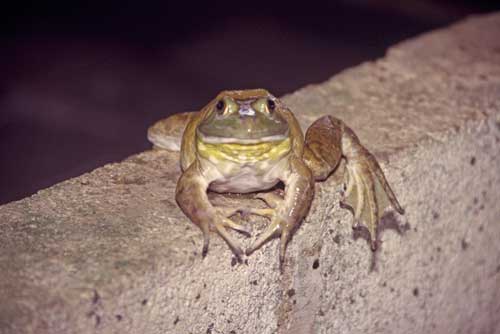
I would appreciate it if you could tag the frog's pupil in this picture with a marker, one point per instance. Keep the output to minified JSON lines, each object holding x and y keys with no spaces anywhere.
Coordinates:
{"x":271,"y":105}
{"x":220,"y":105}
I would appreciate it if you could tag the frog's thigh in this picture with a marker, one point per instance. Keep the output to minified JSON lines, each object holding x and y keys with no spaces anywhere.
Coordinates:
{"x":368,"y":192}
{"x":167,"y":132}
{"x":322,"y":151}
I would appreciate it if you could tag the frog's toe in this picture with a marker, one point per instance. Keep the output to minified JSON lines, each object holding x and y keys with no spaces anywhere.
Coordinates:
{"x":267,"y":213}
{"x":274,"y":229}
{"x":240,"y":228}
{"x":228,"y":211}
{"x":220,"y":228}
{"x":285,"y":236}
{"x":368,"y":194}
{"x":233,"y":244}
{"x":272,"y":199}
{"x":271,"y":231}
{"x":206,"y":241}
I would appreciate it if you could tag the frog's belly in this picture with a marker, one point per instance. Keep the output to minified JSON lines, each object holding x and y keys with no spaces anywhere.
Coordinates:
{"x":245,"y":180}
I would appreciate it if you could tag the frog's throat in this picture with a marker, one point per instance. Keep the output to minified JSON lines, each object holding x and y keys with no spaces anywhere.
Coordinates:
{"x":243,"y":153}
{"x":231,"y":139}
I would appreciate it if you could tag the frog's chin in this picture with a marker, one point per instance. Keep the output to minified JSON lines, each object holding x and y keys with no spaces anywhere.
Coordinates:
{"x":243,"y":141}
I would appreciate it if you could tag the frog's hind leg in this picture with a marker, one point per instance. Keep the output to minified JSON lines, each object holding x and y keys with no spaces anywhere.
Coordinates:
{"x":229,"y":212}
{"x":328,"y":140}
{"x":272,"y":200}
{"x":167,"y":133}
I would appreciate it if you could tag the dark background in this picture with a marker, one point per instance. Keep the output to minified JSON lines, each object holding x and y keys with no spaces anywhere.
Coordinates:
{"x":81,"y":81}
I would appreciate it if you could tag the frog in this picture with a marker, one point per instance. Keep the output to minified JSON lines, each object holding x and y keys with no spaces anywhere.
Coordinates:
{"x":248,"y":142}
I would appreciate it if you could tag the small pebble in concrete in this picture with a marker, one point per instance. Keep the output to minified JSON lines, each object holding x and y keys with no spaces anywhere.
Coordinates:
{"x":315,"y":264}
{"x":96,"y":297}
{"x":465,"y":244}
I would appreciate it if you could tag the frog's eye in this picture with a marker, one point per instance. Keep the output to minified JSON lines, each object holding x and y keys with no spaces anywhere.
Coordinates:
{"x":271,"y":105}
{"x":220,"y":106}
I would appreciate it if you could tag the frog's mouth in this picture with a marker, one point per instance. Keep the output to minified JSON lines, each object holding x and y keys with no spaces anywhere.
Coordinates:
{"x":275,"y":138}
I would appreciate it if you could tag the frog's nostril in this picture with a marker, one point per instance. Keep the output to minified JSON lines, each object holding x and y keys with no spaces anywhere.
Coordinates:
{"x":246,"y":111}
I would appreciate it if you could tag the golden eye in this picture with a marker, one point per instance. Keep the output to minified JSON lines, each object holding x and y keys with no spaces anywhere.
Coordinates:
{"x":271,"y":105}
{"x":220,"y":106}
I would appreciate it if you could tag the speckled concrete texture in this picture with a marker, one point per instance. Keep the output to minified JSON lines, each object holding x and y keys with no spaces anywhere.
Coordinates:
{"x":110,"y":252}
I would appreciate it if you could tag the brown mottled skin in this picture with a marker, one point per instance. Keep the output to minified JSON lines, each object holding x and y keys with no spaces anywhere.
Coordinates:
{"x":247,"y":141}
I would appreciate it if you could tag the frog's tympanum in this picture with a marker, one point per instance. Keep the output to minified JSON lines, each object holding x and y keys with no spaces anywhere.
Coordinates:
{"x":246,"y":141}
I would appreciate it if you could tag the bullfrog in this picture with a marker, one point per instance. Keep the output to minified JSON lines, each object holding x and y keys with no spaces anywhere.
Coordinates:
{"x":248,"y":141}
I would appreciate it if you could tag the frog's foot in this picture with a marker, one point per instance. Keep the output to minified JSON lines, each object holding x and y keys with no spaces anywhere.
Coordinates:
{"x":228,"y":212}
{"x":277,"y":227}
{"x":267,"y":212}
{"x":272,"y":199}
{"x":367,"y":192}
{"x":219,"y":223}
{"x":220,"y":226}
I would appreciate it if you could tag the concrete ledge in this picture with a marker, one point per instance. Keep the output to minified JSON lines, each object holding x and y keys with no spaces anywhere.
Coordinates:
{"x":110,"y":252}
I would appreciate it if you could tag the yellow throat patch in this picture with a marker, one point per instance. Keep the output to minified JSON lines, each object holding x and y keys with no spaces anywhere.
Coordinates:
{"x":244,"y":153}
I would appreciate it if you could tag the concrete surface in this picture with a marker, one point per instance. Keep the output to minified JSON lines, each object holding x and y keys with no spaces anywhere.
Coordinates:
{"x":110,"y":252}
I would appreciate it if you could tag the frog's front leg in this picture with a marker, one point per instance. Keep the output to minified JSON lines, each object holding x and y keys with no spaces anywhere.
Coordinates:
{"x":289,"y":212}
{"x":191,"y":195}
{"x":368,"y":193}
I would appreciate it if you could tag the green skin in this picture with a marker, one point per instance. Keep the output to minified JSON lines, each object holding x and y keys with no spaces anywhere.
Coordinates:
{"x":248,"y":141}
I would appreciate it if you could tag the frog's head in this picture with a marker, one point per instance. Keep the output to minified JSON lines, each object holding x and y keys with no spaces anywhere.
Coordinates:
{"x":243,"y":117}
